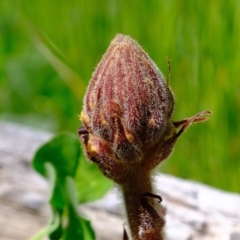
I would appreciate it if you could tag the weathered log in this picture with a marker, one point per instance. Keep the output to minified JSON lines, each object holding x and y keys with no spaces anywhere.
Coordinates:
{"x":194,"y":211}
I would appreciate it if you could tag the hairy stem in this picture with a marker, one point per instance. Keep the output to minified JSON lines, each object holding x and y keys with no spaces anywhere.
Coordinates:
{"x":144,"y":214}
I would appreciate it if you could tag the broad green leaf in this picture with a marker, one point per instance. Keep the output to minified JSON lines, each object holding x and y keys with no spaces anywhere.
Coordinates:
{"x":90,"y":182}
{"x":62,"y":152}
{"x":58,"y":160}
{"x":77,"y":226}
{"x":74,"y":229}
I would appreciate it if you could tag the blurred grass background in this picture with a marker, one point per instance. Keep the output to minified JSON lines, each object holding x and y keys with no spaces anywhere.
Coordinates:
{"x":48,"y":50}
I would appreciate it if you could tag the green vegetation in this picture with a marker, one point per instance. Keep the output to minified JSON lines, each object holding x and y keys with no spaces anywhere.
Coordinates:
{"x":48,"y":50}
{"x":58,"y":161}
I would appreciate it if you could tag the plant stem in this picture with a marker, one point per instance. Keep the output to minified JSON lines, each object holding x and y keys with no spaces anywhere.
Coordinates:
{"x":144,"y":215}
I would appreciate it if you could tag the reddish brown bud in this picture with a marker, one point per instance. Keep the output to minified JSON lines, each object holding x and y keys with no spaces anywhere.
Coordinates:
{"x":127,"y":108}
{"x":128,"y":105}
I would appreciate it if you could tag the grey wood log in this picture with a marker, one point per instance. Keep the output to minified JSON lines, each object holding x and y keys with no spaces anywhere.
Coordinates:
{"x":194,"y":211}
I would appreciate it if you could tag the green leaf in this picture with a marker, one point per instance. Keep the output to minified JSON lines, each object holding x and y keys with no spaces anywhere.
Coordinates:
{"x":62,"y":152}
{"x":57,"y":160}
{"x":74,"y":229}
{"x":77,"y":226}
{"x":90,"y":182}
{"x":53,"y":229}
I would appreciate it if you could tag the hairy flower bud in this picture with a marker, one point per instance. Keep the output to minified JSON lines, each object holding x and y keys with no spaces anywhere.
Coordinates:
{"x":127,"y":111}
{"x":128,"y":104}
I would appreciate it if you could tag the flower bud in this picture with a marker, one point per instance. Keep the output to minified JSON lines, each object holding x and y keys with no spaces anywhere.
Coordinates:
{"x":127,"y":111}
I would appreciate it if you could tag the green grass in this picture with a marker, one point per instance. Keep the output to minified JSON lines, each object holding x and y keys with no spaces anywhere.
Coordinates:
{"x":200,"y":37}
